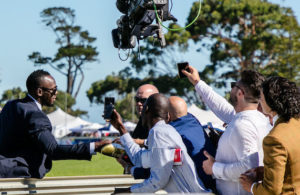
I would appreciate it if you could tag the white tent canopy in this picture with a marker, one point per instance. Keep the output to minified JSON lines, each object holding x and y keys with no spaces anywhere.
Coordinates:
{"x":62,"y":123}
{"x":129,"y":126}
{"x":206,"y":116}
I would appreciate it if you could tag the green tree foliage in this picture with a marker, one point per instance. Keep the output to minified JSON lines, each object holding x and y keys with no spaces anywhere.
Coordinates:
{"x":247,"y":34}
{"x":153,"y":66}
{"x":14,"y":93}
{"x":239,"y":35}
{"x":63,"y":100}
{"x":126,"y":107}
{"x":75,"y":47}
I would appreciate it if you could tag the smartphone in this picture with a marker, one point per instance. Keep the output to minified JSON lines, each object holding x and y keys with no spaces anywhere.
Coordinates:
{"x":109,"y":103}
{"x":182,"y":66}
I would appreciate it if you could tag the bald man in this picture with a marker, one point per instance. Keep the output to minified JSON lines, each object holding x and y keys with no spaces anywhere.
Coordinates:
{"x":142,"y":95}
{"x":177,"y":108}
{"x":193,"y":136}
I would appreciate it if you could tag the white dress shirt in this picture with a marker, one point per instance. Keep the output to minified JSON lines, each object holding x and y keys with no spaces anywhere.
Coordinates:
{"x":275,"y":118}
{"x":240,"y":146}
{"x":163,"y":139}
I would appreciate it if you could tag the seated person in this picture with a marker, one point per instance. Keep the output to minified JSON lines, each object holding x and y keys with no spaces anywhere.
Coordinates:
{"x":163,"y":140}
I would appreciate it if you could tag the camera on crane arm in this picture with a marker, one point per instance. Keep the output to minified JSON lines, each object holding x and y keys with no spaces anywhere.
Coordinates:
{"x":136,"y":24}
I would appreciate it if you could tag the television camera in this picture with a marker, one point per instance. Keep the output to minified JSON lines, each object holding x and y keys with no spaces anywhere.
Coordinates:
{"x":136,"y":23}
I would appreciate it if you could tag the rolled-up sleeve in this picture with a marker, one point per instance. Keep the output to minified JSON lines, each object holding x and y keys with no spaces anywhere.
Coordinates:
{"x":133,"y":150}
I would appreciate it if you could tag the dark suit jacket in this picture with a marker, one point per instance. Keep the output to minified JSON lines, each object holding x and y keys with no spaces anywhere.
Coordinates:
{"x":140,"y":132}
{"x":25,"y":132}
{"x":281,"y":160}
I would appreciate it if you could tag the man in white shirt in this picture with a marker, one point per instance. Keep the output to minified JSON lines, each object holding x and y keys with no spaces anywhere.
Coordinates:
{"x":174,"y":176}
{"x":240,"y":147}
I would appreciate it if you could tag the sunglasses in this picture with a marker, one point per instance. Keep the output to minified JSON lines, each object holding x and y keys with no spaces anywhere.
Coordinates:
{"x":142,"y":100}
{"x":51,"y":91}
{"x":234,"y":84}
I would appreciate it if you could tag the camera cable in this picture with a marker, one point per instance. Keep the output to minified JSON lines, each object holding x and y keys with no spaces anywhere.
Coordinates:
{"x":177,"y":29}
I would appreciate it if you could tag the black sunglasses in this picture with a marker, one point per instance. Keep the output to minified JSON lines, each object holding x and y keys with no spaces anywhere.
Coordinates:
{"x":142,"y":100}
{"x":51,"y":91}
{"x":234,"y":84}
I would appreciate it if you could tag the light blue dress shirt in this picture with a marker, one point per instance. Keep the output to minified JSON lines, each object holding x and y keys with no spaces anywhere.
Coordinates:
{"x":163,"y":139}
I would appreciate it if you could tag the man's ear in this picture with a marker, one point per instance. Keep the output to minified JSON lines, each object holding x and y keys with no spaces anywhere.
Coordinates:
{"x":39,"y":92}
{"x":169,"y":118}
{"x":240,"y":93}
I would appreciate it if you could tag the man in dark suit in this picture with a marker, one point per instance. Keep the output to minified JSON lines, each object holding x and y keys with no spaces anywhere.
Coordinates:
{"x":142,"y":94}
{"x":27,"y":146}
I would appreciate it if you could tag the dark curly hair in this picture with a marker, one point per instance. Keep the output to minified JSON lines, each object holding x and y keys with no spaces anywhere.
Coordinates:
{"x":282,"y":96}
{"x":34,"y":79}
{"x":252,"y":80}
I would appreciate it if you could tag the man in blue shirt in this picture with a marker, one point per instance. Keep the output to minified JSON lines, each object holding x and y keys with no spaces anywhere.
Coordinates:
{"x":193,"y":136}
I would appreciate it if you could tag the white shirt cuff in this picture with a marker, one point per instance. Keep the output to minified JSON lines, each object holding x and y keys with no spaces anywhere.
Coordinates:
{"x":126,"y":139}
{"x":252,"y":187}
{"x":200,"y":84}
{"x":92,"y":148}
{"x":217,"y":170}
{"x":146,"y":142}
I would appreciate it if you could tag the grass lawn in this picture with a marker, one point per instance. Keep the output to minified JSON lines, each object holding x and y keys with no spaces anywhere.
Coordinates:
{"x":99,"y":165}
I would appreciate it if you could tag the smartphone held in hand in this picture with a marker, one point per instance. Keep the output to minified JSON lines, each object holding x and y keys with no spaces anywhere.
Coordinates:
{"x":182,"y":66}
{"x":108,"y":108}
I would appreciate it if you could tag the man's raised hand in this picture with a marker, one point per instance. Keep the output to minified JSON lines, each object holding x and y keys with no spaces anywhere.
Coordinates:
{"x":116,"y":121}
{"x":192,"y":75}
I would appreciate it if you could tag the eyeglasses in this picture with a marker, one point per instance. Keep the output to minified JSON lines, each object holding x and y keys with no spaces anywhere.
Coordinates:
{"x":234,"y":84}
{"x":51,"y":91}
{"x":142,"y":100}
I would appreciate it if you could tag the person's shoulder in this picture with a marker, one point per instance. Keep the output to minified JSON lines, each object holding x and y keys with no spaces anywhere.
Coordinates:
{"x":251,"y":117}
{"x":162,"y":129}
{"x":18,"y":104}
{"x":164,"y":135}
{"x":283,"y":129}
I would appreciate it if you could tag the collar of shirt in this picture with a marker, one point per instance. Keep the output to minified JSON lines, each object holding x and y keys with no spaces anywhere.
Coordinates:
{"x":161,"y":122}
{"x":275,"y":118}
{"x":36,"y":102}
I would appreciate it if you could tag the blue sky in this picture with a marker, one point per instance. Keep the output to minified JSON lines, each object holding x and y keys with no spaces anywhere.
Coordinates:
{"x":22,"y":33}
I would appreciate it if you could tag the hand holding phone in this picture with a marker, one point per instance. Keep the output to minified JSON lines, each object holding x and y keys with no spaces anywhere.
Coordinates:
{"x":182,"y":66}
{"x":108,"y":108}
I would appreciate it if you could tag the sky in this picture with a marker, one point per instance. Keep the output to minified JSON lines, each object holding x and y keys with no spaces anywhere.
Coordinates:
{"x":22,"y":32}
